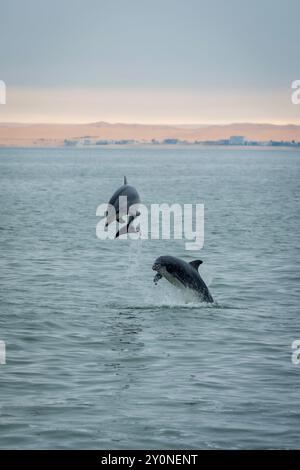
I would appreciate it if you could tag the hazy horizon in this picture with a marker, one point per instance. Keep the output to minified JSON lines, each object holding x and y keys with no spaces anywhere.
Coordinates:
{"x":180,"y":125}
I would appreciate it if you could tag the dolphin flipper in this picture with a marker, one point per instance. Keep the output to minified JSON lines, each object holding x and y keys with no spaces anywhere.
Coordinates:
{"x":157,"y":277}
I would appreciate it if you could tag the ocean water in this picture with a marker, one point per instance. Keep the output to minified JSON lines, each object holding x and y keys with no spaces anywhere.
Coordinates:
{"x":97,"y":356}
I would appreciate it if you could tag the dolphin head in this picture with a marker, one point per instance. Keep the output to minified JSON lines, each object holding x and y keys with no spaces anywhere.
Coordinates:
{"x":158,"y":264}
{"x":165,"y":263}
{"x":170,"y":268}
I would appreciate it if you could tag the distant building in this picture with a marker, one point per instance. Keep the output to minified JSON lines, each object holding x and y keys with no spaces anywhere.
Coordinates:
{"x":170,"y":141}
{"x":123,"y":142}
{"x":237,"y":140}
{"x":70,"y":143}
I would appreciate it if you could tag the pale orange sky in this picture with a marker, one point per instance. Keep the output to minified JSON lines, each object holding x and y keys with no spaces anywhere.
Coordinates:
{"x":149,"y":106}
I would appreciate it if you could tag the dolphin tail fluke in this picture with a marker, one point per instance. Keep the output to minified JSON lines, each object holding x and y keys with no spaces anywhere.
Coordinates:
{"x":128,"y":228}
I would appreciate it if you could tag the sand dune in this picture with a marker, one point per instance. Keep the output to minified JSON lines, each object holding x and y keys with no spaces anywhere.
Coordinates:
{"x":55,"y":134}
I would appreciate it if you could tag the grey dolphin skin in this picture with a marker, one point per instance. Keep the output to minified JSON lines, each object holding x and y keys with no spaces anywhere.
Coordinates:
{"x":182,"y":274}
{"x":132,"y":198}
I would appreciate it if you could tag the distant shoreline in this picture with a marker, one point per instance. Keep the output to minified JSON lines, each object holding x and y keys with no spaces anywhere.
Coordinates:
{"x":153,"y":147}
{"x":103,"y":134}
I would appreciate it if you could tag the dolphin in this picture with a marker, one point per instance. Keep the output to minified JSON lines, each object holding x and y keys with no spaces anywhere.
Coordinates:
{"x":182,"y":274}
{"x":119,"y":213}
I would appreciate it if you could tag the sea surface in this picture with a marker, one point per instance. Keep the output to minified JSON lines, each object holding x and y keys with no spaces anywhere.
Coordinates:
{"x":97,"y":356}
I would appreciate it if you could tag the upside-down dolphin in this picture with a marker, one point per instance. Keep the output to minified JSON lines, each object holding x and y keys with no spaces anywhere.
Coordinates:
{"x":182,"y":274}
{"x":120,"y":212}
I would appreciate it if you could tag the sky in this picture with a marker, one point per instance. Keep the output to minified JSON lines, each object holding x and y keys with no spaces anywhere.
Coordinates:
{"x":166,"y":61}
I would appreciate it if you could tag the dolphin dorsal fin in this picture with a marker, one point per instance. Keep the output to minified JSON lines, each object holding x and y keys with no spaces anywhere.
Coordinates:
{"x":196,"y":263}
{"x":125,"y":180}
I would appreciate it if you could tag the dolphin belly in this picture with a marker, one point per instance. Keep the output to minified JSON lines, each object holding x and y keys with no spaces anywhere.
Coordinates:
{"x":172,"y":278}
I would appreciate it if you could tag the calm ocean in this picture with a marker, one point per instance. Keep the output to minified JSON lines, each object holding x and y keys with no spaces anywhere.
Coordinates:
{"x":97,"y":356}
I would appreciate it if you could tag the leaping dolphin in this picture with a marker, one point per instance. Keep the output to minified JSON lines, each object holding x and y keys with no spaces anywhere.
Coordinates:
{"x":119,"y":212}
{"x":182,"y":274}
